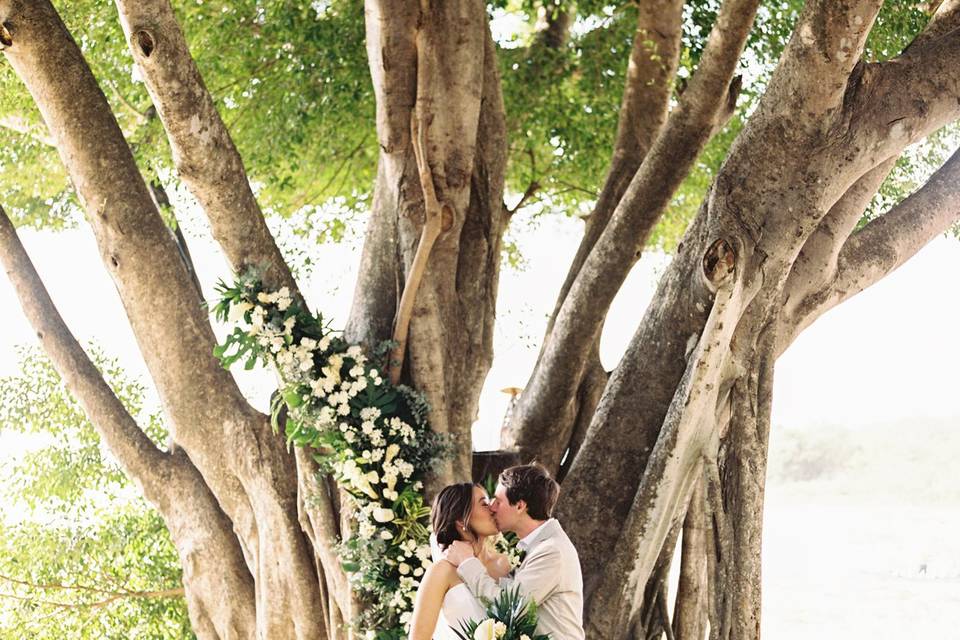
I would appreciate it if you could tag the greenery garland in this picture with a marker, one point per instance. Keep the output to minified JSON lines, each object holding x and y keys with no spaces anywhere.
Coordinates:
{"x":371,"y":435}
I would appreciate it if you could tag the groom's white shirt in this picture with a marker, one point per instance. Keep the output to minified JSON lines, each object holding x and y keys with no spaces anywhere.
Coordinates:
{"x":549,"y":575}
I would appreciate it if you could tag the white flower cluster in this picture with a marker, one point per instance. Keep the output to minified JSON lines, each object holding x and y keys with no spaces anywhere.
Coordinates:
{"x":512,"y":552}
{"x":324,"y":380}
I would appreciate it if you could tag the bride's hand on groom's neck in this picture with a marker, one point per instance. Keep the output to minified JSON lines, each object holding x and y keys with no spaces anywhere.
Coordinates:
{"x":458,"y":553}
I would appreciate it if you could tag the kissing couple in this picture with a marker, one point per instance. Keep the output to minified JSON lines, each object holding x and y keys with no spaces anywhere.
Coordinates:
{"x":467,"y":570}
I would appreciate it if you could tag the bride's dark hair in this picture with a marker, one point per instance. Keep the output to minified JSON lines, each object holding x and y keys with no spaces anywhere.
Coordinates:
{"x":453,"y":504}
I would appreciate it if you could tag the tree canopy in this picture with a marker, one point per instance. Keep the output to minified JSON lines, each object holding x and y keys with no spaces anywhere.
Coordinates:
{"x":293,"y":84}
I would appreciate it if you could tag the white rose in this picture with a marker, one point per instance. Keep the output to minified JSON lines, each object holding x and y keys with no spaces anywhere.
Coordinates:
{"x":485,"y":630}
{"x":404,"y":568}
{"x":383,"y":515}
{"x":524,"y":637}
{"x":499,"y":629}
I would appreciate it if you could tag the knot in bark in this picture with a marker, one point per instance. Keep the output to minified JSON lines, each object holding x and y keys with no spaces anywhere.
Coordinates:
{"x":145,"y":42}
{"x":719,"y":264}
{"x":6,"y":35}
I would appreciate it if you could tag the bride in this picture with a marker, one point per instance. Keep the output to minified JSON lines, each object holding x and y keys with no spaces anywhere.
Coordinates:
{"x":460,"y":512}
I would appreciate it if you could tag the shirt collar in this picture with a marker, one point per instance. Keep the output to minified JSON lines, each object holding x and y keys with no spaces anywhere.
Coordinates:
{"x":534,"y":535}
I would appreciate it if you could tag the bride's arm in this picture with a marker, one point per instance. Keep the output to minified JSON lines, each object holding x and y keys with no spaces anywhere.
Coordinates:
{"x":426,"y":609}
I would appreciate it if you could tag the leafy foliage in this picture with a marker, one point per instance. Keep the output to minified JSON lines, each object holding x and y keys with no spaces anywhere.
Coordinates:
{"x":80,"y":550}
{"x":292,"y":83}
{"x":510,"y":616}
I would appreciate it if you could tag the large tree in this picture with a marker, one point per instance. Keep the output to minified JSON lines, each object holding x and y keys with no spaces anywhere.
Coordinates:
{"x":778,"y":206}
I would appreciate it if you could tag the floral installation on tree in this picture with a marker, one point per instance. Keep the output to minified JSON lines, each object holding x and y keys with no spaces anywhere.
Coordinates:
{"x":372,"y":436}
{"x":510,"y":616}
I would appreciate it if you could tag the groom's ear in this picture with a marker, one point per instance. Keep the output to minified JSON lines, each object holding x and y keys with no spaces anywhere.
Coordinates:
{"x":522,"y":506}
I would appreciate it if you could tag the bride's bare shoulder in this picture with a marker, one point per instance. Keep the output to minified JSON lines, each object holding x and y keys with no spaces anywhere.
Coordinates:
{"x":440,"y":572}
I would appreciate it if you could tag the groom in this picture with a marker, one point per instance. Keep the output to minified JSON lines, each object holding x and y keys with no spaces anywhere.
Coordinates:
{"x":550,"y":573}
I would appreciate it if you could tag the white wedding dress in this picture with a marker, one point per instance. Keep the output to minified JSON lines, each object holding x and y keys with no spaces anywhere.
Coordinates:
{"x":459,"y":605}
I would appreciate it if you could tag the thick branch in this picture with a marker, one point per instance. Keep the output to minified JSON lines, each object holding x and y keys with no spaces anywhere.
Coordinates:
{"x":643,"y":111}
{"x":242,"y":461}
{"x":945,"y":19}
{"x":140,"y":458}
{"x":885,"y":243}
{"x":690,"y":610}
{"x":582,"y":312}
{"x":815,"y":67}
{"x":816,"y":264}
{"x":901,"y":101}
{"x":674,"y":464}
{"x":322,"y":526}
{"x":205,"y":156}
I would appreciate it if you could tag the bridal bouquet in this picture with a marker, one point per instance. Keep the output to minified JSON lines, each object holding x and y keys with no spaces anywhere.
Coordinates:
{"x":509,"y":617}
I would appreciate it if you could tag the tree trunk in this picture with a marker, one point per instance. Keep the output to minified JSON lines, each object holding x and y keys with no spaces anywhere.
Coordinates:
{"x":692,"y":603}
{"x":453,"y":82}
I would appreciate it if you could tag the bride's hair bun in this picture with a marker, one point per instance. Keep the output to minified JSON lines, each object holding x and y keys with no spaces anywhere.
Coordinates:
{"x":452,"y":505}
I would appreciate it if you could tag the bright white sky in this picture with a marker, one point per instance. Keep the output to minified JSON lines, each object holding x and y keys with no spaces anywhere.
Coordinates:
{"x":886,"y":355}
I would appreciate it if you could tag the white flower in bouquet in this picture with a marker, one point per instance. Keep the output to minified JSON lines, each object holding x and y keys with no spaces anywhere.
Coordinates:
{"x":256,"y":320}
{"x":237,"y":310}
{"x":486,"y":630}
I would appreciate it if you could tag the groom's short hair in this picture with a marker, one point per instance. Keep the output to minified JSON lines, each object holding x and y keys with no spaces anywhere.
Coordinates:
{"x":532,"y":484}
